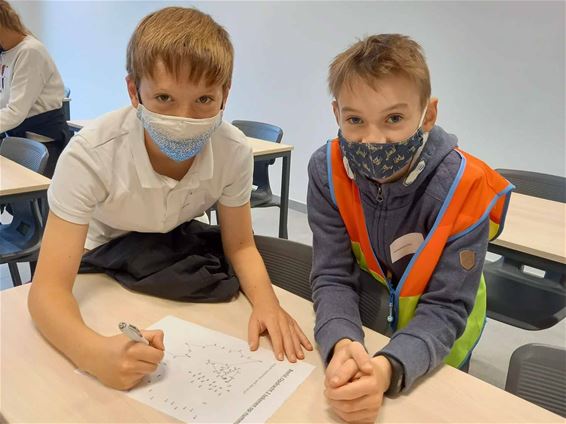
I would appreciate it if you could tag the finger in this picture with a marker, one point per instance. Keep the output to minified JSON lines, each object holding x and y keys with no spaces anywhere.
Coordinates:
{"x":366,"y":402}
{"x":344,"y":374}
{"x":353,"y":390}
{"x":253,"y":334}
{"x":302,"y":338}
{"x":288,"y":344}
{"x":155,"y":338}
{"x":143,"y":352}
{"x":337,"y":360}
{"x":361,"y":357}
{"x":276,"y":339}
{"x":365,"y":416}
{"x":296,"y":342}
{"x":137,"y":378}
{"x":143,"y":368}
{"x":129,"y":381}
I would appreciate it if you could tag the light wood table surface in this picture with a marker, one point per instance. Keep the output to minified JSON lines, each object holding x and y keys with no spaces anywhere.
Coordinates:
{"x":17,"y":179}
{"x":18,"y":182}
{"x":536,"y":227}
{"x":40,"y":385}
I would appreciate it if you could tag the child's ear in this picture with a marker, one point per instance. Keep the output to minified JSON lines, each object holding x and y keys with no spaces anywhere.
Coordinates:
{"x":132,"y":91}
{"x":431,"y":113}
{"x":336,"y":111}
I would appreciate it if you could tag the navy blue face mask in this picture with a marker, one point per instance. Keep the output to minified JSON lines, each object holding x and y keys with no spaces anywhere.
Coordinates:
{"x":379,"y":161}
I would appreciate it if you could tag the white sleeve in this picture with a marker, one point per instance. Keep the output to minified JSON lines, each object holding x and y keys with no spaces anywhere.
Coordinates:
{"x":28,"y":80}
{"x":76,"y":187}
{"x":239,"y":189}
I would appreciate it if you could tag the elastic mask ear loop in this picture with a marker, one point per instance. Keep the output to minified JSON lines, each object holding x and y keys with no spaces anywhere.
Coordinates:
{"x":139,"y":97}
{"x":414,"y":173}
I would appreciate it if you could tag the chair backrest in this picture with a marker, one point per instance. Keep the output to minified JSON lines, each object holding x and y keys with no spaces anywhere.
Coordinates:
{"x":26,"y":227}
{"x":29,"y":153}
{"x":549,"y":187}
{"x":537,"y":373}
{"x":260,"y":130}
{"x":266,"y":132}
{"x":289,"y":265}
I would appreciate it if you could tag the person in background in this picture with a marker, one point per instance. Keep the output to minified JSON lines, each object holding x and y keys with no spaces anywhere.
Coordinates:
{"x":31,"y":88}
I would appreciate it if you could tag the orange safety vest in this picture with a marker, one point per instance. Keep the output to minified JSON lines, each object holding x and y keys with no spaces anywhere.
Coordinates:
{"x":478,"y":192}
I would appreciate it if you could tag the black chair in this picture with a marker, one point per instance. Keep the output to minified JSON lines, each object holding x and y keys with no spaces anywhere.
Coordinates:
{"x":537,"y":373}
{"x":20,"y":240}
{"x":67,"y":104}
{"x":514,"y":296}
{"x":289,"y":265}
{"x":262,"y":196}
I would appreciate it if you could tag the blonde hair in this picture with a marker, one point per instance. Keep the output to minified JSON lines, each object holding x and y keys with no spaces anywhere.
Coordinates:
{"x":9,"y":19}
{"x":182,"y":38}
{"x":378,"y":56}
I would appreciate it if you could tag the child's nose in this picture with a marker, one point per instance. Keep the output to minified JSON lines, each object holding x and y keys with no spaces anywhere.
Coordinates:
{"x":374,"y":135}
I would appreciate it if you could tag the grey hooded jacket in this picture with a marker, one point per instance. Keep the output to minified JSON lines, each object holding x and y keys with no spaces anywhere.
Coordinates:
{"x":391,"y":211}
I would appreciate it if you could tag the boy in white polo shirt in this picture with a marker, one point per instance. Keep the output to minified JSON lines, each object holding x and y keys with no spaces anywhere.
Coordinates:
{"x":149,"y":168}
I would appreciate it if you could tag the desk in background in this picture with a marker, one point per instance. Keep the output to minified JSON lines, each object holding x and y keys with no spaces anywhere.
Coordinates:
{"x":20,"y":183}
{"x":533,"y":236}
{"x":262,"y":150}
{"x":535,"y":227}
{"x":40,"y":385}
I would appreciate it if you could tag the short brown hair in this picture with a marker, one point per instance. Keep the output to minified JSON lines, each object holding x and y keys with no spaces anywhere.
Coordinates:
{"x":378,"y":56}
{"x":181,"y":37}
{"x":9,"y":19}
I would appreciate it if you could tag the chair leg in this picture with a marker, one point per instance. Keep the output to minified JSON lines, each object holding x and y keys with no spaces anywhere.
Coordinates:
{"x":15,"y":274}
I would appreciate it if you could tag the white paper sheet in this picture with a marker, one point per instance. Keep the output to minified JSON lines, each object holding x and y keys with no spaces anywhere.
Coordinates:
{"x":207,"y":376}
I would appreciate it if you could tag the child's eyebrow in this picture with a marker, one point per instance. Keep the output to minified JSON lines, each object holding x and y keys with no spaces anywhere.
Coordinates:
{"x":160,"y":89}
{"x":396,"y":106}
{"x":349,"y":109}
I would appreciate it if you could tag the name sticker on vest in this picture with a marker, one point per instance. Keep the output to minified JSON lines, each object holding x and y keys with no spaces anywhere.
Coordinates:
{"x":405,"y":245}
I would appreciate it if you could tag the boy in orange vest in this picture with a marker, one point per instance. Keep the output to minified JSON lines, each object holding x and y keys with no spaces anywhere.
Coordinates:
{"x":392,"y":196}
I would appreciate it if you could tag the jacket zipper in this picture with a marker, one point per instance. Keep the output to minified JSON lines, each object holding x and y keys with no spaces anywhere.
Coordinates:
{"x":390,"y":317}
{"x":391,"y":314}
{"x":379,"y":194}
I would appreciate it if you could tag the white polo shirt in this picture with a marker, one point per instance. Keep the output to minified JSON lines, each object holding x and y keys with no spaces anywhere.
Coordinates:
{"x":30,"y":83}
{"x":104,"y":178}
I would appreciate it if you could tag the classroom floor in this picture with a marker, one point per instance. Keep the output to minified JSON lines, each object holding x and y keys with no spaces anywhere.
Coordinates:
{"x":491,"y":356}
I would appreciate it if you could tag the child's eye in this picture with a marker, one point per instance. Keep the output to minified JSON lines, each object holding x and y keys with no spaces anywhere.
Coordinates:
{"x":394,"y":119}
{"x":204,"y":99}
{"x":163,"y":98}
{"x":354,"y":120}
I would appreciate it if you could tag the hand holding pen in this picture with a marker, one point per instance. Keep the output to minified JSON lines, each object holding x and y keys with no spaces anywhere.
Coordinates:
{"x":132,"y":332}
{"x":120,"y":363}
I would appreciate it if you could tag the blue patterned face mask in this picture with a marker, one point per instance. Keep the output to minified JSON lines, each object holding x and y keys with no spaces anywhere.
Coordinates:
{"x":379,"y":161}
{"x":179,"y":138}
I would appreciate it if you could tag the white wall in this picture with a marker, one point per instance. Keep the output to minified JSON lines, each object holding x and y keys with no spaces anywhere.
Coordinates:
{"x":497,"y":67}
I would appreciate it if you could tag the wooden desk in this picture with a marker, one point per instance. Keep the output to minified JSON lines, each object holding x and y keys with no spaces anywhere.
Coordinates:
{"x":40,"y":385}
{"x":536,"y":227}
{"x":20,"y":183}
{"x":262,"y":150}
